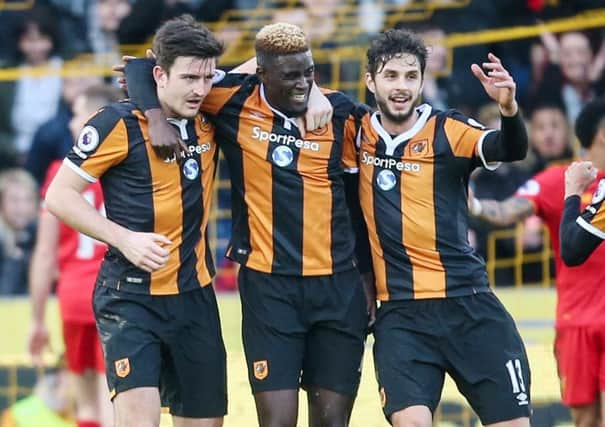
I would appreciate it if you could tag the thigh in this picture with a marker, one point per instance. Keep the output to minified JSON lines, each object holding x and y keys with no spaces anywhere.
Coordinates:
{"x":193,"y":382}
{"x":127,"y":325}
{"x":335,"y":309}
{"x":577,"y":365}
{"x":487,"y":358}
{"x":273,"y":331}
{"x":410,"y":368}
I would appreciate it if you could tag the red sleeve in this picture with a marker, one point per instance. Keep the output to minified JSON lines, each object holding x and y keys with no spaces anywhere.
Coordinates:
{"x":542,"y":189}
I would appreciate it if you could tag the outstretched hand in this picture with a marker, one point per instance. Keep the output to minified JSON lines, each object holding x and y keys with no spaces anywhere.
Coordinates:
{"x":498,"y":84}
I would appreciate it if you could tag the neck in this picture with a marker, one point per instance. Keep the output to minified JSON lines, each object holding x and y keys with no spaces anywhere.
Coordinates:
{"x":167,"y":110}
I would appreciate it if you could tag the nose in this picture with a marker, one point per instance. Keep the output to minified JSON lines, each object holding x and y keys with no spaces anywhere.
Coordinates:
{"x":302,"y":83}
{"x":202,"y":87}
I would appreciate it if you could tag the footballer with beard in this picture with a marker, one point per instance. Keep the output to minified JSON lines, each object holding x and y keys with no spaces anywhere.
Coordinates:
{"x":438,"y":313}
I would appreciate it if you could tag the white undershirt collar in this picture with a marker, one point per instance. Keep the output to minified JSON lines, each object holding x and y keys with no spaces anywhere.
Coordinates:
{"x":393,"y":143}
{"x":288,"y":121}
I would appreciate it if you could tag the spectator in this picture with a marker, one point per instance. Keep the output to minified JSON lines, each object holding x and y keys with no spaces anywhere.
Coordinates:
{"x":573,"y":72}
{"x":53,"y":139}
{"x":30,"y":101}
{"x":105,"y":17}
{"x":435,"y":91}
{"x":549,"y":139}
{"x":18,"y":210}
{"x":146,"y":16}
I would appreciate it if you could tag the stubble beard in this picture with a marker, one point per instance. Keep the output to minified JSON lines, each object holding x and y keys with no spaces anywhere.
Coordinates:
{"x":397,"y":118}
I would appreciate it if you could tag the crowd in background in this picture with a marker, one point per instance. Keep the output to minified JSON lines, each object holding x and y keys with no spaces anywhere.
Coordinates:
{"x":556,"y":74}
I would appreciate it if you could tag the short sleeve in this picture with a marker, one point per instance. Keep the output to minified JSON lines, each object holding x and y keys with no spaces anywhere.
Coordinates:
{"x":102,"y":144}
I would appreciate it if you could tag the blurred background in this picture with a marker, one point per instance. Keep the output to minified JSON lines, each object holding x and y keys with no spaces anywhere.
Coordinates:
{"x":53,"y":50}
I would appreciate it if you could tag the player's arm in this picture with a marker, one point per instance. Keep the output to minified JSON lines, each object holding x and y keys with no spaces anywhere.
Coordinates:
{"x":577,"y":243}
{"x":504,"y":213}
{"x":351,"y":181}
{"x":579,"y":238}
{"x":65,"y":201}
{"x":511,"y":142}
{"x":42,"y":271}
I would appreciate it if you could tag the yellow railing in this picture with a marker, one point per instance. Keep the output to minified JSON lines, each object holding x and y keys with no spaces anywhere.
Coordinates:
{"x":16,"y":5}
{"x":521,"y":258}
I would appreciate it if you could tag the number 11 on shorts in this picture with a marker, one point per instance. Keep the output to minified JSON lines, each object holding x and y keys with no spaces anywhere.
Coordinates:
{"x":516,"y":378}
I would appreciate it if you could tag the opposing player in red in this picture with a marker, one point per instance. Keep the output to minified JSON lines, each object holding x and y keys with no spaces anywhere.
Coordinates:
{"x":580,"y":317}
{"x":74,"y":260}
{"x":582,"y":233}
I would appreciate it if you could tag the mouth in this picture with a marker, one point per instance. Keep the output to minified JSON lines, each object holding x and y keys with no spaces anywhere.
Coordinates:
{"x":299,"y":97}
{"x":193,"y":103}
{"x":400,"y":102}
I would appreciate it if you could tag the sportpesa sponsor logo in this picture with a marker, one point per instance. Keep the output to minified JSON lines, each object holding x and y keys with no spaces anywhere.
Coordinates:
{"x":289,"y":140}
{"x":389,"y":163}
{"x":192,"y":149}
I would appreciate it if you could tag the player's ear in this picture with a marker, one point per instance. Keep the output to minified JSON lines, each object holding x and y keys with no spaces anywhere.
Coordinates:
{"x":370,"y":83}
{"x":160,"y":76}
{"x":260,"y":72}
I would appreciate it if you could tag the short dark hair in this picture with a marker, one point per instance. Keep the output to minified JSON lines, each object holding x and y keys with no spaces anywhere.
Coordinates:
{"x":44,"y":20}
{"x":279,"y":39}
{"x":183,"y":36}
{"x":394,"y":43}
{"x":589,"y":121}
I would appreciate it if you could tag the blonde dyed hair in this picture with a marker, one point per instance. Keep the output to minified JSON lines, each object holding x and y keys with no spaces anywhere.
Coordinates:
{"x":281,"y":39}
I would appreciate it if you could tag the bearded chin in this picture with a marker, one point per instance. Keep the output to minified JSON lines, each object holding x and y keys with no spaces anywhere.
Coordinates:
{"x":395,"y":118}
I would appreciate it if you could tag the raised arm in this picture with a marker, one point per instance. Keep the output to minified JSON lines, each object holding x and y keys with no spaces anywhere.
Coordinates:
{"x":511,"y":142}
{"x":579,"y":238}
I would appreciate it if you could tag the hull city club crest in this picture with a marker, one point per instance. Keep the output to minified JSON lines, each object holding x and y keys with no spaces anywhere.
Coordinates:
{"x":122,"y":367}
{"x":261,"y":369}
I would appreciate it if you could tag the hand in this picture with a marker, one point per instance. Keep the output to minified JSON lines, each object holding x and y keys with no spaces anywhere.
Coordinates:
{"x":145,"y":250}
{"x":369,"y":288}
{"x":319,"y":110}
{"x":498,"y":84}
{"x":578,"y":176}
{"x":551,"y":44}
{"x":38,"y":340}
{"x":164,"y":138}
{"x":119,"y":68}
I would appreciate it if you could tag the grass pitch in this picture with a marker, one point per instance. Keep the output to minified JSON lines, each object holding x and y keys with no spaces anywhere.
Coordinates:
{"x":533,"y":309}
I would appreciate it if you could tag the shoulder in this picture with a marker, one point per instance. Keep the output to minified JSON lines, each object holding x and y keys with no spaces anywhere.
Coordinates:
{"x":548,"y":183}
{"x":343,"y":105}
{"x":229,"y":80}
{"x":459,"y":117}
{"x":553,"y":174}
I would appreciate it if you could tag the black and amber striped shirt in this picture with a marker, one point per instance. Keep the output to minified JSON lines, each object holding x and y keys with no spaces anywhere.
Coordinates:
{"x":289,"y":210}
{"x":146,"y":193}
{"x":413,"y":191}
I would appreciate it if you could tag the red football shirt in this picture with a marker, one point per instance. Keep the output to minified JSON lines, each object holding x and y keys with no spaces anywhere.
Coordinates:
{"x":79,"y":258}
{"x":580,"y":290}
